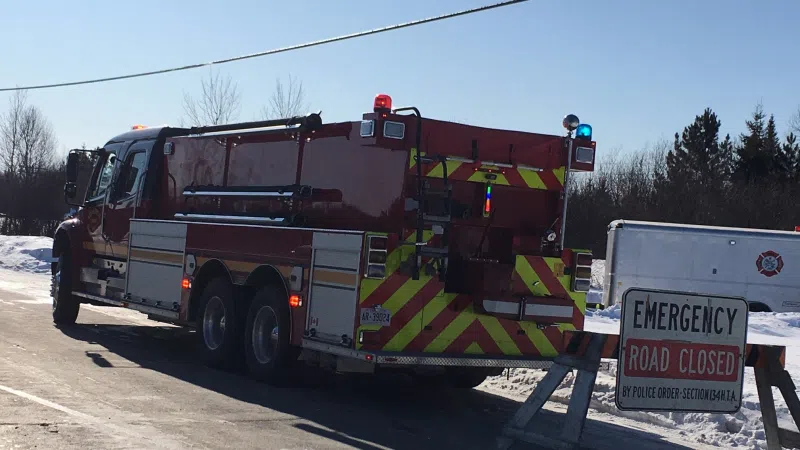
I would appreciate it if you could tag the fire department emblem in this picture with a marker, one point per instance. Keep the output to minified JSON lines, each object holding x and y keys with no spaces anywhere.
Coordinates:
{"x":769,"y":263}
{"x":93,"y":219}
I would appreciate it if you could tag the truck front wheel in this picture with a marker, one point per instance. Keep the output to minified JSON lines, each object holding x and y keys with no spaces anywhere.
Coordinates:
{"x":267,"y":349}
{"x":65,"y":305}
{"x":218,"y":327}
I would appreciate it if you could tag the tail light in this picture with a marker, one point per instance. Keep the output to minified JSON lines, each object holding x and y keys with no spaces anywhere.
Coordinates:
{"x":295,"y":301}
{"x":797,"y":228}
{"x":582,"y":275}
{"x":376,"y":257}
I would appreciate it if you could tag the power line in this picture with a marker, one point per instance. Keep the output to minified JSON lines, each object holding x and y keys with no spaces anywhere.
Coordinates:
{"x":274,"y":51}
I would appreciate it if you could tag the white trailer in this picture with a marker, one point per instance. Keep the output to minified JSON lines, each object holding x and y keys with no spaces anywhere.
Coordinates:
{"x":763,"y":266}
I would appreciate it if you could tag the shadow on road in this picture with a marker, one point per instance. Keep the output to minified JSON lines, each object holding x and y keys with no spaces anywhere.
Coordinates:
{"x":366,"y":413}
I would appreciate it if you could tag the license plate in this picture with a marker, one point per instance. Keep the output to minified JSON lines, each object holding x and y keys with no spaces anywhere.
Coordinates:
{"x":376,"y":316}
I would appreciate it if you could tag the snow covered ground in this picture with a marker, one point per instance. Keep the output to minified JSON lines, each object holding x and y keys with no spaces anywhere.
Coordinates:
{"x":742,"y":430}
{"x":745,"y":429}
{"x":26,"y":253}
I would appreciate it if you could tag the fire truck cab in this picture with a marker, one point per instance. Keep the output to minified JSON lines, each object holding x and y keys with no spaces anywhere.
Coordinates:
{"x":395,"y":241}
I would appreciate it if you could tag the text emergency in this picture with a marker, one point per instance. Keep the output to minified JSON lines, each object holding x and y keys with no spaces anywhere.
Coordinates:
{"x":681,"y":352}
{"x":674,"y":317}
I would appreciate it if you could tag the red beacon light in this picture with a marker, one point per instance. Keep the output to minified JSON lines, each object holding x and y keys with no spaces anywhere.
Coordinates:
{"x":138,"y":127}
{"x":383,"y":103}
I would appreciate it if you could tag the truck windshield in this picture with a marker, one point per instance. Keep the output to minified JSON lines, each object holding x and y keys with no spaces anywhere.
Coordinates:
{"x":98,"y":189}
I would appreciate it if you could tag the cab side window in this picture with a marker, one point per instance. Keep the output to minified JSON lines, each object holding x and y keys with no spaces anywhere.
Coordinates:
{"x":131,"y":176}
{"x":103,"y":179}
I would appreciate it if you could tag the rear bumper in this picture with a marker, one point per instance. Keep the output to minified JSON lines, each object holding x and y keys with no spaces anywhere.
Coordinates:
{"x":428,"y":359}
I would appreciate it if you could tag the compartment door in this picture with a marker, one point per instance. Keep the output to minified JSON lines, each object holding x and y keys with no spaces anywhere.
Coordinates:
{"x":155,"y":264}
{"x":335,"y":269}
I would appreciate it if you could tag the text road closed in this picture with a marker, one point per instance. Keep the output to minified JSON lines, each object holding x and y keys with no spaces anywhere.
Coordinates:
{"x":681,"y":352}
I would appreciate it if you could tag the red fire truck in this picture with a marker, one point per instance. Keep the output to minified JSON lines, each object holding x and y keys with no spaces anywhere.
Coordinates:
{"x":393,"y":242}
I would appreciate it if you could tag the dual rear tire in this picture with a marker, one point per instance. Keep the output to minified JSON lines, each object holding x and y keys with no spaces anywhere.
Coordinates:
{"x":231,"y":336}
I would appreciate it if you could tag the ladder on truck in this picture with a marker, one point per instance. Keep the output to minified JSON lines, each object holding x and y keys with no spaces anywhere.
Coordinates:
{"x":439,"y":219}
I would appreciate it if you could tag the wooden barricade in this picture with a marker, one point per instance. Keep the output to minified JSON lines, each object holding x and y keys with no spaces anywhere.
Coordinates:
{"x":583,"y":351}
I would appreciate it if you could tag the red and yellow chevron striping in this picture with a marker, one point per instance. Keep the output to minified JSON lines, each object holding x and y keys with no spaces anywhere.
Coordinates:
{"x":547,"y":277}
{"x":426,"y":320}
{"x":463,"y":170}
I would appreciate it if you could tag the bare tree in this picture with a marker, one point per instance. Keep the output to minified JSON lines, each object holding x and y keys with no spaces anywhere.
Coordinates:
{"x":10,"y":131}
{"x":794,"y":122}
{"x":287,"y":101}
{"x":219,"y":102}
{"x":27,"y":141}
{"x":27,"y":153}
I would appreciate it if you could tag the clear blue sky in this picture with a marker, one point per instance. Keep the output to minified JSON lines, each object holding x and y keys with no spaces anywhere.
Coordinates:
{"x":638,"y":71}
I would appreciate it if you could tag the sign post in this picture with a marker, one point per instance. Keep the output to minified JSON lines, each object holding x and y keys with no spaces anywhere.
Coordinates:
{"x":681,"y":352}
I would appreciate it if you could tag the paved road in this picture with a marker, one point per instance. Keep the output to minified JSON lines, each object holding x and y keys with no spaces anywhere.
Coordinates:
{"x":119,"y":381}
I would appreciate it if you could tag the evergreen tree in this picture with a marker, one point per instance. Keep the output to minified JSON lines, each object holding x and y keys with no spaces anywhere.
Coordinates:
{"x":772,"y":149}
{"x":697,"y":156}
{"x":788,"y":160}
{"x":752,"y":162}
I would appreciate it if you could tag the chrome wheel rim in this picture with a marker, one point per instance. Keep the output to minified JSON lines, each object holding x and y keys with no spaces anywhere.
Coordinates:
{"x":265,"y":335}
{"x":214,"y":323}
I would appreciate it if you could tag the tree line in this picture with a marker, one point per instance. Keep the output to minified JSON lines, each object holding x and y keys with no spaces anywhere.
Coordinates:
{"x":750,"y":181}
{"x":32,"y":171}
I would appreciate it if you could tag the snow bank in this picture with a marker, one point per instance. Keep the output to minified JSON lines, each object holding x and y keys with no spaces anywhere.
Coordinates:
{"x":744,"y":429}
{"x":31,"y":254}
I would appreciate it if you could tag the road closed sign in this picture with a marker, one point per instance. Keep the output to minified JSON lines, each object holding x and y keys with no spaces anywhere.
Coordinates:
{"x":681,"y":352}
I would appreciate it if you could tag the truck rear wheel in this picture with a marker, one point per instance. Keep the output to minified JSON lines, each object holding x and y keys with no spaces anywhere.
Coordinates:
{"x":266,"y":345}
{"x":218,"y":327}
{"x":65,"y":305}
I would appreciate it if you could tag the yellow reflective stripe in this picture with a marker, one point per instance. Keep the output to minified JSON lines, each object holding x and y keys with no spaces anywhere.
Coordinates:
{"x":559,"y":173}
{"x":474,"y":349}
{"x":403,"y":295}
{"x":532,"y":178}
{"x":538,"y":339}
{"x":499,"y":335}
{"x":566,"y":281}
{"x":411,"y":160}
{"x":425,"y":316}
{"x":451,"y":332}
{"x":529,"y":277}
{"x":427,"y":235}
{"x":368,"y":286}
{"x":438,"y":170}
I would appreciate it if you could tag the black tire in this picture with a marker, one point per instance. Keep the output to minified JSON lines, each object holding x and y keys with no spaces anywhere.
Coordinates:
{"x":466,"y":378}
{"x":65,"y":305}
{"x":218,"y":326}
{"x":269,"y":354}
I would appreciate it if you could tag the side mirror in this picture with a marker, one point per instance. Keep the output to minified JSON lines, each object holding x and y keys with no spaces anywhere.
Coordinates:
{"x":70,"y":190}
{"x":72,"y":168}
